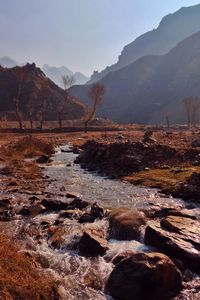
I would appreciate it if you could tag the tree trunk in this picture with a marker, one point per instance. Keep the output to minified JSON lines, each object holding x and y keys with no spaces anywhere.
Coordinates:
{"x":189,"y":119}
{"x":41,"y":124}
{"x":60,"y":122}
{"x":167,"y":120}
{"x":85,"y":126}
{"x":31,"y":123}
{"x":20,"y":124}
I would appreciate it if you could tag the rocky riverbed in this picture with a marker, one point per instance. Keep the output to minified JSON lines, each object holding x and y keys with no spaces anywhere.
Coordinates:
{"x":102,"y":238}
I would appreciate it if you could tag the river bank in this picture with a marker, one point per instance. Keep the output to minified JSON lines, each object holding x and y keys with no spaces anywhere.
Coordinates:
{"x":80,"y":243}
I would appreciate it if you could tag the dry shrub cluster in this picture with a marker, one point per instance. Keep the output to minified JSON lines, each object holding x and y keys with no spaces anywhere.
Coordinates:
{"x":19,"y":277}
{"x":27,"y":147}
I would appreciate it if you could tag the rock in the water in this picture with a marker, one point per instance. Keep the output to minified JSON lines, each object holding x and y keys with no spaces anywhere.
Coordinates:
{"x":60,"y":235}
{"x":51,"y":204}
{"x":178,"y":237}
{"x":78,"y":203}
{"x":72,"y":195}
{"x":70,"y":214}
{"x":145,"y":276}
{"x":121,"y":256}
{"x":124,"y":224}
{"x":86,"y":218}
{"x":36,"y":210}
{"x":92,"y":244}
{"x":96,"y":211}
{"x":43,"y":159}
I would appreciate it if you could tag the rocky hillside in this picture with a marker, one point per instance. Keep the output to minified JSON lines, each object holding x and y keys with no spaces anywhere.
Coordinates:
{"x":153,"y":85}
{"x":35,"y":87}
{"x":54,"y":73}
{"x":173,"y":29}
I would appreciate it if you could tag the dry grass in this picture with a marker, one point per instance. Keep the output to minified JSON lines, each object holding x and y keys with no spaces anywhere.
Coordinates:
{"x":163,"y":179}
{"x":14,"y":155}
{"x":19,"y":277}
{"x":27,"y":147}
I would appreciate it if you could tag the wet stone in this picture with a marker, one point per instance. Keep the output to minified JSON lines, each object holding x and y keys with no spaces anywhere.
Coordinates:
{"x":70,"y":214}
{"x":178,"y":237}
{"x":52,"y":205}
{"x":92,"y":244}
{"x":43,"y":159}
{"x":125,"y":224}
{"x":78,"y":203}
{"x":86,"y":218}
{"x":144,"y":276}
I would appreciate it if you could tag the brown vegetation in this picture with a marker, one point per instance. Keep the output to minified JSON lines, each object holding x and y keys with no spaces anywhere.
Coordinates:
{"x":163,"y":179}
{"x":27,"y":147}
{"x":13,"y":155}
{"x":19,"y":277}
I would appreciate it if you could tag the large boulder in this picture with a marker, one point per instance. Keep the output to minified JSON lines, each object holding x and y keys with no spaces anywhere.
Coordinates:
{"x":145,"y":276}
{"x":33,"y":210}
{"x":92,"y":244}
{"x":178,"y":237}
{"x":125,"y":224}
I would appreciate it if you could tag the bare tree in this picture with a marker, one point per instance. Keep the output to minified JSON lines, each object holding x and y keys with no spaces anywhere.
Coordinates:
{"x":96,"y":94}
{"x":167,"y":118}
{"x":18,"y":112}
{"x":30,"y":109}
{"x":192,"y":105}
{"x":67,"y":81}
{"x":17,"y":100}
{"x":42,"y":111}
{"x":43,"y":107}
{"x":195,"y":110}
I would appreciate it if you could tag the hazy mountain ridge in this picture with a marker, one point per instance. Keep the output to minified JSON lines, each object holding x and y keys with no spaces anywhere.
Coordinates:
{"x":172,"y":29}
{"x":8,"y":62}
{"x":144,"y":90}
{"x":54,"y":73}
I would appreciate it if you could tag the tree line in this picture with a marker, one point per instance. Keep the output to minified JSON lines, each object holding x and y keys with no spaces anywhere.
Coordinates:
{"x":191,"y":106}
{"x":39,"y":109}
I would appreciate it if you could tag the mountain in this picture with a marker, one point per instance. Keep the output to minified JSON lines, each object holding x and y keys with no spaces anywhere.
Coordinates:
{"x":56,"y":73}
{"x":7,"y":62}
{"x":151,"y":86}
{"x":172,"y":29}
{"x":35,"y":86}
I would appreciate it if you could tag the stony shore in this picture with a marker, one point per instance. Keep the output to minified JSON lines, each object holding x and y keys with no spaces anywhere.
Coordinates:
{"x":169,"y":268}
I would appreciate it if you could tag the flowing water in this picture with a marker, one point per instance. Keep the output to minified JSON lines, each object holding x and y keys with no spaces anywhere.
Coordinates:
{"x":107,"y":192}
{"x":83,"y":278}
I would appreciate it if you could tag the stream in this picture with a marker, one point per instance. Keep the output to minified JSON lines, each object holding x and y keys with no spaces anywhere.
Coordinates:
{"x":82,"y":278}
{"x":92,"y":187}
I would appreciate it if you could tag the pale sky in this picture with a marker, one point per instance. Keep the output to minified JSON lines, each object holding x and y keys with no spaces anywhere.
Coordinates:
{"x":84,"y":35}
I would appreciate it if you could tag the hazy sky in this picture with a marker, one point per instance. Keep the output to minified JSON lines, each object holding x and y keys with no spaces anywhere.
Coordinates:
{"x":84,"y":35}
